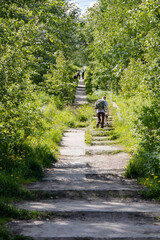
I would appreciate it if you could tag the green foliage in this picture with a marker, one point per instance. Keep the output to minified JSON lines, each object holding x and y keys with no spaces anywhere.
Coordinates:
{"x":138,"y":130}
{"x":146,"y":161}
{"x":31,"y":154}
{"x":83,"y":115}
{"x":4,"y":234}
{"x":122,"y":40}
{"x":59,"y":82}
{"x":118,"y":34}
{"x":152,"y":182}
{"x":9,"y":187}
{"x":33,"y":169}
{"x":8,"y":211}
{"x":37,"y":41}
{"x":88,"y":137}
{"x":36,"y":151}
{"x":148,"y":126}
{"x":98,"y":94}
{"x":88,"y":80}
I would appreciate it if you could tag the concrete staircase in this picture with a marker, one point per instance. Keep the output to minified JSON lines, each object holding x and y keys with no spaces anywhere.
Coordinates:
{"x":80,"y":97}
{"x":87,"y":197}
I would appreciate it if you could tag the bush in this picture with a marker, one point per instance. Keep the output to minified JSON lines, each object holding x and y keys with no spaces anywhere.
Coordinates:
{"x":138,"y":129}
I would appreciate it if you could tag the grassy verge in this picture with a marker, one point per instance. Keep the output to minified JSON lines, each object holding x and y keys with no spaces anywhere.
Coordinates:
{"x":88,"y":137}
{"x":138,"y":131}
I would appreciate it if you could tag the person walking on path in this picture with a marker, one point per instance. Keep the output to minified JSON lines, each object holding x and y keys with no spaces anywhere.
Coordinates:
{"x":78,"y":75}
{"x":75,"y":76}
{"x":83,"y":73}
{"x":101,"y":107}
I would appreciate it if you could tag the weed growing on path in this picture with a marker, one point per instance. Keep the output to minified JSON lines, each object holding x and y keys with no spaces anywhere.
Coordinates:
{"x":88,"y":137}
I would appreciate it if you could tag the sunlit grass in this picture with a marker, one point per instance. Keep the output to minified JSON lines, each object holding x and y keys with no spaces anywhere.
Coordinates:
{"x":144,"y":163}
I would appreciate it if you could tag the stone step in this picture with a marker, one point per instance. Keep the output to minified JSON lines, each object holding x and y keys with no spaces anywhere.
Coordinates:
{"x":66,"y":174}
{"x":110,"y":118}
{"x":101,"y":132}
{"x":102,"y":138}
{"x":104,"y":148}
{"x":100,"y":142}
{"x":80,"y":98}
{"x":81,"y":86}
{"x":98,"y":163}
{"x":98,"y":184}
{"x":106,"y":128}
{"x":108,"y":121}
{"x":110,"y":209}
{"x":80,"y":93}
{"x":94,"y":228}
{"x":94,"y":186}
{"x":81,"y":81}
{"x":111,"y":163}
{"x":85,"y":194}
{"x":81,"y":89}
{"x":82,"y":169}
{"x":79,"y":103}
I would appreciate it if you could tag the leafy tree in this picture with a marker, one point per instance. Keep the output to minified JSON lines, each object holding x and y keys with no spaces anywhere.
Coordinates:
{"x":37,"y":40}
{"x":123,"y":40}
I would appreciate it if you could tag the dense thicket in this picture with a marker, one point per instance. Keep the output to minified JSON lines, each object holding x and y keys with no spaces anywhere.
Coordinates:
{"x":37,"y":39}
{"x":120,"y":34}
{"x":123,"y":39}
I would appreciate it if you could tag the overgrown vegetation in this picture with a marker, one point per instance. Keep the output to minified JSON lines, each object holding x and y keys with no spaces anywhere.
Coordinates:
{"x":122,"y":39}
{"x":38,"y":44}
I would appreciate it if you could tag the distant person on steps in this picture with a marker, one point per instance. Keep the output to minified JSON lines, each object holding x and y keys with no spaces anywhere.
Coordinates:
{"x":78,"y":75}
{"x":83,"y":73}
{"x":101,"y":107}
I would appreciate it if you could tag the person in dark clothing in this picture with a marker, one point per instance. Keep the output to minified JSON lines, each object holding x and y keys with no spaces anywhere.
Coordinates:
{"x":101,"y":112}
{"x":83,"y":74}
{"x":78,"y":75}
{"x":75,"y":76}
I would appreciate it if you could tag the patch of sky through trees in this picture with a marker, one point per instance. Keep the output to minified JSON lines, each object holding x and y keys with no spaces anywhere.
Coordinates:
{"x":84,"y":4}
